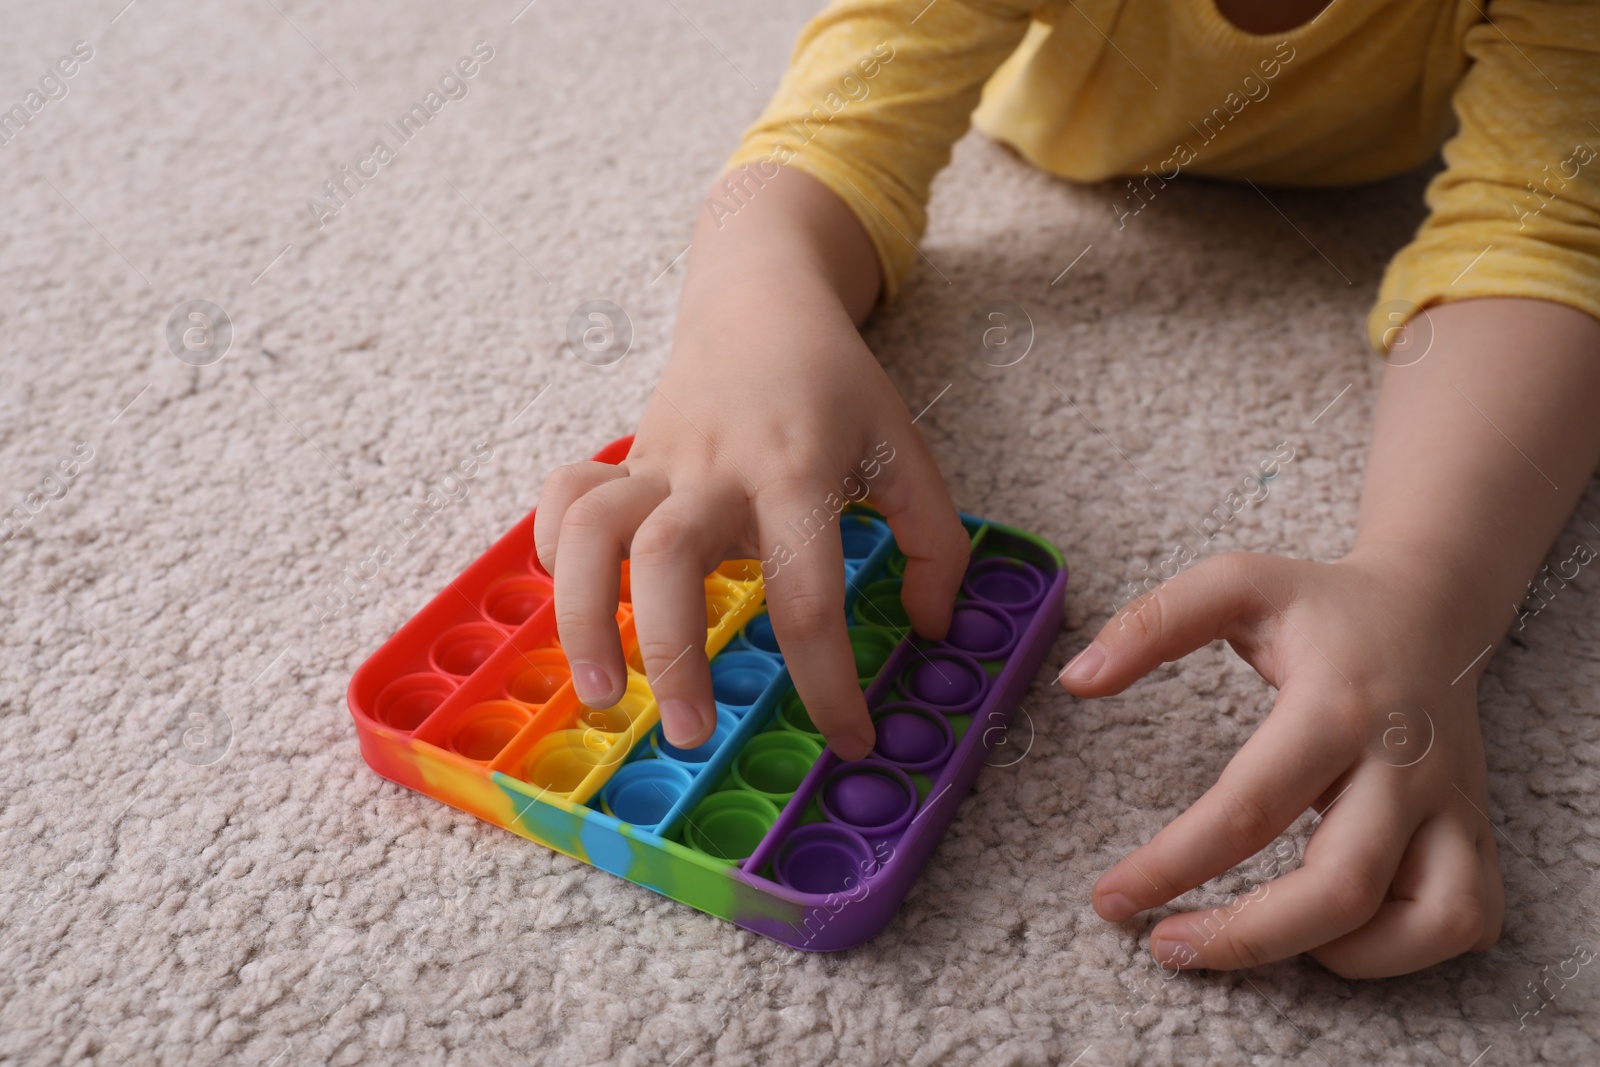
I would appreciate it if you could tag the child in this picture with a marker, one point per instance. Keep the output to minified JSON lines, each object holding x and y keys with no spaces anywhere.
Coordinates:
{"x":1485,"y":432}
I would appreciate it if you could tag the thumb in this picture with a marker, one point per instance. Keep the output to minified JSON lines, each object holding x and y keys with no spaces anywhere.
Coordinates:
{"x":1212,"y":600}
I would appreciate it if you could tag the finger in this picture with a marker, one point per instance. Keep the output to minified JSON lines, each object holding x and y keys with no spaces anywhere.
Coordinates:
{"x":1439,"y":909}
{"x":1494,"y":889}
{"x":1349,"y":866}
{"x":1270,"y":781}
{"x":561,"y":488}
{"x":1186,"y":613}
{"x":912,"y":497}
{"x":805,"y":598}
{"x":595,"y":534}
{"x":681,"y":542}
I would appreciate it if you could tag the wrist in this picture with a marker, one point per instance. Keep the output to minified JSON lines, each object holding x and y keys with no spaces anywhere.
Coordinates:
{"x":795,"y":231}
{"x":1439,"y":602}
{"x":737,"y":314}
{"x":1444,"y":590}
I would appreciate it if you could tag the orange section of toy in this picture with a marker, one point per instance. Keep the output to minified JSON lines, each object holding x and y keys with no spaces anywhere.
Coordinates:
{"x":479,"y":676}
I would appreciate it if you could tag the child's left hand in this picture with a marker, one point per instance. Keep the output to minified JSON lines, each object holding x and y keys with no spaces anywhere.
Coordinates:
{"x":1368,"y":728}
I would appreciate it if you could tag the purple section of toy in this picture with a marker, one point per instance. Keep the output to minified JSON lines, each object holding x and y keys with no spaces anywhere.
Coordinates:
{"x":854,"y":836}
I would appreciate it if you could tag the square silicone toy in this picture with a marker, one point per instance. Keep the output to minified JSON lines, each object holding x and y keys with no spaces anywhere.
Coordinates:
{"x":471,"y":703}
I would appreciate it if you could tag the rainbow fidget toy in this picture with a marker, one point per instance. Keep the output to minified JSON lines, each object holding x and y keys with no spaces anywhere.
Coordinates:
{"x":471,"y":703}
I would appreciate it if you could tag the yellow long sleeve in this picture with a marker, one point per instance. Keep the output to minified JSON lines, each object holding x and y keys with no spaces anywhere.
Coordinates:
{"x":873,"y":103}
{"x":879,"y":90}
{"x":1516,"y":211}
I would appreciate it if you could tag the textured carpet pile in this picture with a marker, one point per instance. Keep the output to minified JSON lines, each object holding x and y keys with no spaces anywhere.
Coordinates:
{"x":195,"y":864}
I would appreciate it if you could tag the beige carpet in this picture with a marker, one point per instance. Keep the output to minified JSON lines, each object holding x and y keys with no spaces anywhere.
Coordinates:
{"x":196,"y":866}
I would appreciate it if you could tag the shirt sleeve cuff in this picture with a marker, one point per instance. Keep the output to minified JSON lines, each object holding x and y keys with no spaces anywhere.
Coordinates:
{"x":877,"y":215}
{"x":1442,"y":267}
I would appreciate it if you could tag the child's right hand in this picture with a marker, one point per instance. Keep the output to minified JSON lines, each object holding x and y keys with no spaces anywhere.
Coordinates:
{"x":771,"y":412}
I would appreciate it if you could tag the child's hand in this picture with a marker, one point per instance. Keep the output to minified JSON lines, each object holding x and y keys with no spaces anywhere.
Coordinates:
{"x":1368,"y":728}
{"x":771,"y":414}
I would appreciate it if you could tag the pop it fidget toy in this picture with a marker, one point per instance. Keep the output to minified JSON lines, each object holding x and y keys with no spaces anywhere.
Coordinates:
{"x":471,"y":702}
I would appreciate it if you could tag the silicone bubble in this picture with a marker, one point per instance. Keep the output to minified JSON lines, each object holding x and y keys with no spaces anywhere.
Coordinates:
{"x":774,"y":764}
{"x":728,"y":826}
{"x":860,"y":537}
{"x":513,"y":601}
{"x":792,"y":715}
{"x":408,"y":700}
{"x":824,"y":858}
{"x":912,"y":737}
{"x":758,"y":631}
{"x":981,"y":631}
{"x":1013,"y":585}
{"x":948,"y":681}
{"x":873,"y":799}
{"x":618,"y":722}
{"x":560,"y":762}
{"x":740,"y":570}
{"x":642,"y":792}
{"x":739,"y":678}
{"x":897,"y":564}
{"x":692,"y":759}
{"x":612,"y":720}
{"x":488,"y":728}
{"x":539,"y":675}
{"x":879,"y":605}
{"x":872,"y":648}
{"x":462,"y":649}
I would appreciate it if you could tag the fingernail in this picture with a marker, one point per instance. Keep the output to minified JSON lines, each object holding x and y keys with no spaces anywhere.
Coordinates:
{"x":851,"y":745}
{"x":1084,"y":666}
{"x":1172,"y":953}
{"x":1115,"y":907}
{"x":594,"y":686}
{"x":683,"y":724}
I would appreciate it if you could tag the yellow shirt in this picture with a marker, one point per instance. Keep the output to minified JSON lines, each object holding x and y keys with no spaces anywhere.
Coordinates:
{"x":878,"y":91}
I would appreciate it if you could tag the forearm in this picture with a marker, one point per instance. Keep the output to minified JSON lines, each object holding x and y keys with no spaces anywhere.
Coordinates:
{"x":1480,"y":451}
{"x":790,"y":240}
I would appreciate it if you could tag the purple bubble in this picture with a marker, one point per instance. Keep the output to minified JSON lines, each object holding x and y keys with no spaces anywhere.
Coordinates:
{"x":879,"y":799}
{"x":912,"y":737}
{"x":981,"y":631}
{"x":1013,"y":585}
{"x":824,"y":858}
{"x":948,"y":681}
